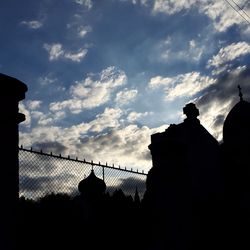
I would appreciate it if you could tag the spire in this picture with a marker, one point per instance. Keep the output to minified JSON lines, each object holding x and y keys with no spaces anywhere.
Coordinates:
{"x":240,"y":93}
{"x":136,"y":197}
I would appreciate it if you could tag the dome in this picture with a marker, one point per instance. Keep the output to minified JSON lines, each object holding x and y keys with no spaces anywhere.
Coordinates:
{"x":237,"y":123}
{"x":92,"y":185}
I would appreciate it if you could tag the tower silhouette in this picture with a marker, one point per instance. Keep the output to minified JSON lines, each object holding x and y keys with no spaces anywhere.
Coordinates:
{"x":184,"y":187}
{"x":12,"y":91}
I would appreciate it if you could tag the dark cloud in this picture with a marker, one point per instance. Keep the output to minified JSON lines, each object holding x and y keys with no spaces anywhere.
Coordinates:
{"x":226,"y":87}
{"x":41,"y":185}
{"x":51,"y":146}
{"x":225,"y":92}
{"x":219,"y":120}
{"x":129,"y":185}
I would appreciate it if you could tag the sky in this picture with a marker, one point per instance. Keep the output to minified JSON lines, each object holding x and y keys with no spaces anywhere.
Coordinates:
{"x":104,"y":75}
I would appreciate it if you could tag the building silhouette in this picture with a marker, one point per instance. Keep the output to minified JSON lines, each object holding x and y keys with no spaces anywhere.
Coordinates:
{"x":197,"y":191}
{"x":12,"y":91}
{"x":236,"y":168}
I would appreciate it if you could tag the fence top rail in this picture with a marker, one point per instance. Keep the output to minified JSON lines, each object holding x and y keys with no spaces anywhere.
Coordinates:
{"x":82,"y":161}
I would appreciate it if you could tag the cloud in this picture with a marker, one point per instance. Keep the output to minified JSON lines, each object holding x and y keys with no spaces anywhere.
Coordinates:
{"x":56,"y":52}
{"x":86,"y":3}
{"x":32,"y":24}
{"x":228,"y":54}
{"x":108,"y":119}
{"x":83,"y":31}
{"x":35,"y":104}
{"x":104,"y":139}
{"x":47,"y":80}
{"x":129,"y":184}
{"x":55,"y":147}
{"x":183,"y":85}
{"x":142,"y":2}
{"x":191,"y":50}
{"x":90,"y":92}
{"x":171,"y":7}
{"x":76,"y":57}
{"x":215,"y":104}
{"x":125,"y":96}
{"x":22,"y":109}
{"x":34,"y":116}
{"x":50,"y":118}
{"x":220,"y":13}
{"x":134,"y":116}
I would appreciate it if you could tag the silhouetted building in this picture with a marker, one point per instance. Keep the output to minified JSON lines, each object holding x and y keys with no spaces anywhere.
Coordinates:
{"x":184,"y":185}
{"x":235,"y":151}
{"x":12,"y":91}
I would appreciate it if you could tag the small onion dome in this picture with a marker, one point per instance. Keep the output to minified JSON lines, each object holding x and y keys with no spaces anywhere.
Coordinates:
{"x":237,"y":123}
{"x":92,"y":185}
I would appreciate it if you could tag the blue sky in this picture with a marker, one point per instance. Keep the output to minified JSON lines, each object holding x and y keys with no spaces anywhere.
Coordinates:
{"x":103,"y":75}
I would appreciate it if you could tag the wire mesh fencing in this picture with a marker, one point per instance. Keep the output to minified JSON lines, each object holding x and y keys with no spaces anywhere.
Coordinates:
{"x":41,"y":174}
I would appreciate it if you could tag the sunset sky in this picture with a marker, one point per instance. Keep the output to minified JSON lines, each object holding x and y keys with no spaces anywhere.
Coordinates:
{"x":103,"y":75}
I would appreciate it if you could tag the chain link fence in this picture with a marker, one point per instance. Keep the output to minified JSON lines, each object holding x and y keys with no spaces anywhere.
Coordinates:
{"x":41,"y":174}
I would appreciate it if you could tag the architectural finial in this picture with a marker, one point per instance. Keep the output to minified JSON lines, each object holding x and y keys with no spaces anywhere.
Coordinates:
{"x":240,"y":93}
{"x":191,"y":111}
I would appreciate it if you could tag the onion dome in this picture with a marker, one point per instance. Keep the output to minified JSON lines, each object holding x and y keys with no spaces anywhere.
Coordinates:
{"x":236,"y":127}
{"x":92,"y":185}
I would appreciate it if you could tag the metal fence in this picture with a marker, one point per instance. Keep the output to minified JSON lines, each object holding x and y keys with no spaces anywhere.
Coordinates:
{"x":41,"y":174}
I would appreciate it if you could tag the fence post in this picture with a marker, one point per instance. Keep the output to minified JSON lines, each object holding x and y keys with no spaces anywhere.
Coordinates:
{"x":11,"y":92}
{"x":103,"y":177}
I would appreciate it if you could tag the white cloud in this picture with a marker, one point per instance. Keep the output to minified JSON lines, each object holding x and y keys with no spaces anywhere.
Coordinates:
{"x":195,"y":50}
{"x":86,"y":3}
{"x":192,"y":50}
{"x":221,"y":14}
{"x":134,"y":116}
{"x":56,"y":52}
{"x":172,"y":6}
{"x":209,"y":115}
{"x":83,"y":31}
{"x":48,"y":119}
{"x":76,"y":57}
{"x":125,"y":146}
{"x":47,"y":80}
{"x":142,"y":2}
{"x":158,"y":81}
{"x":227,"y":54}
{"x":35,"y":104}
{"x":92,"y":93}
{"x":126,"y":96}
{"x":23,"y":109}
{"x":108,"y":119}
{"x":32,"y":24}
{"x":183,"y":85}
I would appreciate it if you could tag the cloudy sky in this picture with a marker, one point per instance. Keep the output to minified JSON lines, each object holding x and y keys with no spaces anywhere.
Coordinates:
{"x":103,"y":75}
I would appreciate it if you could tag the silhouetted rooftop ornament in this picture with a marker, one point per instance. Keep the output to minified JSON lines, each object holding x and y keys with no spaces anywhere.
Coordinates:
{"x":92,"y":185}
{"x":240,"y":93}
{"x":191,"y":111}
